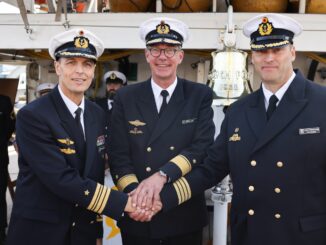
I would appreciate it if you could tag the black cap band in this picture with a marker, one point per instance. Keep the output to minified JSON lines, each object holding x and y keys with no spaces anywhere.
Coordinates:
{"x":116,"y":80}
{"x":80,"y":47}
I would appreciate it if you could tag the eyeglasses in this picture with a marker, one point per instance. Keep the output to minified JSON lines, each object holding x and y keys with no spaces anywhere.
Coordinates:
{"x":168,"y":52}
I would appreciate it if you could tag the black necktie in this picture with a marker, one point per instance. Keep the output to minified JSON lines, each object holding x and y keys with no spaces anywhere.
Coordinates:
{"x":271,"y":106}
{"x":78,"y":122}
{"x":164,"y":94}
{"x":81,"y":144}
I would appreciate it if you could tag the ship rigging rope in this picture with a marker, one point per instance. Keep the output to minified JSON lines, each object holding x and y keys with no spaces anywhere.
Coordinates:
{"x":23,"y":14}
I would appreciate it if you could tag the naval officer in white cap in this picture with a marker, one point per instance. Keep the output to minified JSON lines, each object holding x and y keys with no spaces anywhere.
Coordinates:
{"x":43,"y":89}
{"x":160,"y":130}
{"x":272,"y":143}
{"x":114,"y":80}
{"x":60,"y":193}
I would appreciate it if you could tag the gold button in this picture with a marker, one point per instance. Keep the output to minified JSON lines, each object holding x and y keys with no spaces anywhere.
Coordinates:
{"x":148,"y":169}
{"x":279,"y":164}
{"x":117,"y":176}
{"x":149,"y":149}
{"x":76,"y":205}
{"x":253,"y":163}
{"x":251,"y":188}
{"x":194,"y":161}
{"x":277,"y":216}
{"x":277,"y":190}
{"x":73,"y":224}
{"x":251,"y":212}
{"x":172,"y":148}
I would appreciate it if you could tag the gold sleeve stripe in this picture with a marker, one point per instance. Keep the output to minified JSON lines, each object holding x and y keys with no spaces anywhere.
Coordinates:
{"x":126,"y":180}
{"x":182,"y":189}
{"x":177,"y":190}
{"x":91,"y":205}
{"x":183,"y":163}
{"x":105,"y":199}
{"x":98,"y":199}
{"x":187,"y":187}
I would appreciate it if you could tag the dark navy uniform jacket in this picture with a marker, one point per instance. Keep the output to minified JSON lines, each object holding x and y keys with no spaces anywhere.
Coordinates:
{"x":141,"y":144}
{"x":58,"y":196}
{"x":278,"y":168}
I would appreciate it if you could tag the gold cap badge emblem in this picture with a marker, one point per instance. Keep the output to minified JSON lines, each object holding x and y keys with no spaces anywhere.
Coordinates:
{"x":81,"y":42}
{"x":162,"y":28}
{"x":113,"y":76}
{"x":266,"y":27}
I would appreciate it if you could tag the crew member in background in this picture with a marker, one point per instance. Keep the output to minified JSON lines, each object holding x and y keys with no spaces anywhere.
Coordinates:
{"x":114,"y":80}
{"x":44,"y":88}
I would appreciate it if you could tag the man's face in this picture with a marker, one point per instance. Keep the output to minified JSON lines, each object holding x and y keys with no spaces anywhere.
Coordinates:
{"x":164,"y":69}
{"x":111,"y":89}
{"x":75,"y":75}
{"x":274,"y":65}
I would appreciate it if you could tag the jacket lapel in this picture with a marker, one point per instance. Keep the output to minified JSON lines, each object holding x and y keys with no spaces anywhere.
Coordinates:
{"x":146,"y":105}
{"x":291,"y":104}
{"x":67,"y":120}
{"x":91,"y":136}
{"x":172,"y":110}
{"x":63,"y":112}
{"x":256,"y":113}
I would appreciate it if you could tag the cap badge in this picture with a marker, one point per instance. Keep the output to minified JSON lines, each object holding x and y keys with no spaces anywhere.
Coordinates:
{"x":162,"y":28}
{"x":266,"y":27}
{"x":113,"y":76}
{"x":81,"y":42}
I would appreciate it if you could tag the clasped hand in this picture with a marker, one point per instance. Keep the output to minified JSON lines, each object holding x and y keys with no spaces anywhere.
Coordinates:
{"x":145,"y":199}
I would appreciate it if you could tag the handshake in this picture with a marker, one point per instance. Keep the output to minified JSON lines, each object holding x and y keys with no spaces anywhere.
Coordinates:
{"x":144,"y":202}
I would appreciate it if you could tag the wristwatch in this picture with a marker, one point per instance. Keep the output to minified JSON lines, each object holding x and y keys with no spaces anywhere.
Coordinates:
{"x":163,"y":174}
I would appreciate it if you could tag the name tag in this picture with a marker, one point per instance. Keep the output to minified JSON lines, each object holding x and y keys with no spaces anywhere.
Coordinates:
{"x":187,"y":121}
{"x":303,"y":131}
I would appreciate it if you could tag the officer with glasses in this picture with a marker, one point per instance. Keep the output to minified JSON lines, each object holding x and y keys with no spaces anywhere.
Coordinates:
{"x":168,"y":52}
{"x":160,"y":129}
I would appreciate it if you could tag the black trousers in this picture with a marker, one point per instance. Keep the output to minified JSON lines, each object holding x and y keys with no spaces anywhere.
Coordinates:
{"x":193,"y":238}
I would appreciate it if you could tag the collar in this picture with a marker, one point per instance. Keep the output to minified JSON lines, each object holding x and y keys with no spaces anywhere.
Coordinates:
{"x":110,"y":103}
{"x":279,"y":93}
{"x":72,"y":107}
{"x":157,"y":89}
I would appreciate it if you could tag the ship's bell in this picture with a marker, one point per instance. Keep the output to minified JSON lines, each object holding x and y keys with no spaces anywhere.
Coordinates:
{"x":229,"y":77}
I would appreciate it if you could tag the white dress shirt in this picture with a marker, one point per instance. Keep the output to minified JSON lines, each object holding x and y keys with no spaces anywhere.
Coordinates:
{"x":279,"y":93}
{"x":157,"y":93}
{"x":72,"y":107}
